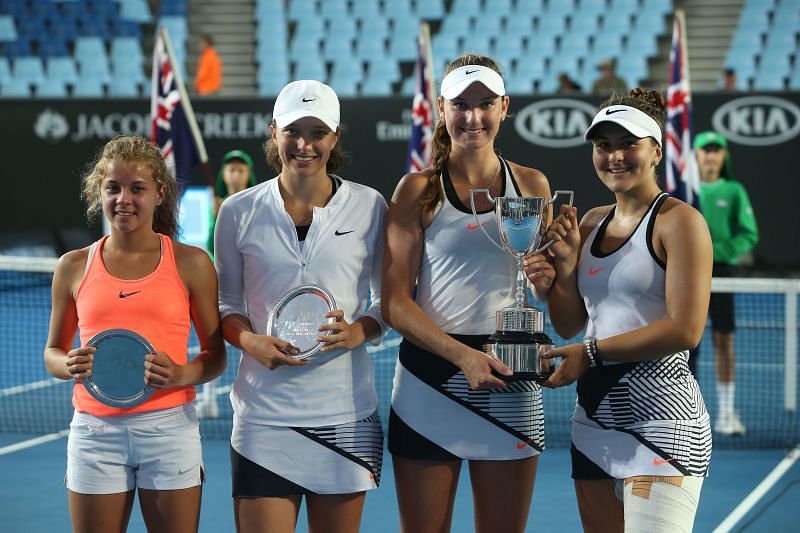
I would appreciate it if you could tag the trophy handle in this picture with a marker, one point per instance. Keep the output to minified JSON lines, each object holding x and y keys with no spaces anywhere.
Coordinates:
{"x":475,"y":213}
{"x":549,"y":202}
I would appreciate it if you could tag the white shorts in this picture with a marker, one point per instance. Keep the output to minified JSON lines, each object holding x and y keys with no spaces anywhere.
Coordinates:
{"x":157,"y":450}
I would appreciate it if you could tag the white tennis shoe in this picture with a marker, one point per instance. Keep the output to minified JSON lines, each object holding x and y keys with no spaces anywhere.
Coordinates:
{"x":729,"y":424}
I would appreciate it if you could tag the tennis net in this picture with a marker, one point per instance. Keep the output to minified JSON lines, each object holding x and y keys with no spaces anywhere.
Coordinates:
{"x":766,"y":343}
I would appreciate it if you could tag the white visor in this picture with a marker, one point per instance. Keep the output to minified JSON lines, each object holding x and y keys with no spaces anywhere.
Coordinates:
{"x":457,"y":81}
{"x":637,"y":122}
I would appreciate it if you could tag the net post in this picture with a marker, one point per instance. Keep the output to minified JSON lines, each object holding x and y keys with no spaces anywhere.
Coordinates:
{"x":790,"y":349}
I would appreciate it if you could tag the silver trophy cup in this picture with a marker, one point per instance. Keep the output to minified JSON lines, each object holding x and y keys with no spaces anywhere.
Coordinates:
{"x":520,"y":339}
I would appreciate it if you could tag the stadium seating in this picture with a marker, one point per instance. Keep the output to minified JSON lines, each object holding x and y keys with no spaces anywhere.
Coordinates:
{"x":367,"y":46}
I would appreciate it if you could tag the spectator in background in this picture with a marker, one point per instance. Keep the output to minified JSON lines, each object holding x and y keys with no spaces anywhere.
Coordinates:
{"x":235,"y":175}
{"x":609,"y":82}
{"x":729,"y":81}
{"x":567,"y":85}
{"x":727,"y":210}
{"x":209,"y":68}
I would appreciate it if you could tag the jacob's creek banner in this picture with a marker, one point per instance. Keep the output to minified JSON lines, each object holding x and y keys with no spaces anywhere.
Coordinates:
{"x":48,"y":144}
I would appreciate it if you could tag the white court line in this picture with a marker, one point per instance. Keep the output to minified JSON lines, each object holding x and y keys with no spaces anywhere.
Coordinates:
{"x":33,"y":442}
{"x":18,"y":389}
{"x":752,"y":499}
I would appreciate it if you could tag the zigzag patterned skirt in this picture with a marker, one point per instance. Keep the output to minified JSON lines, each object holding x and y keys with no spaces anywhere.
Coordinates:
{"x":640,"y":419}
{"x":435,"y":416}
{"x":338,"y":459}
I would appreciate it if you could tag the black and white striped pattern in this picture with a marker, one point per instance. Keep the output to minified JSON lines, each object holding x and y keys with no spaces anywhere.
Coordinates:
{"x":361,"y":442}
{"x":658,"y":405}
{"x":517,"y":408}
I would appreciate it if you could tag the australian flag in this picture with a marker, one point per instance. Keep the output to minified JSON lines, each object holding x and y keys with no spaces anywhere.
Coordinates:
{"x":174,"y":128}
{"x":419,"y":144}
{"x":683,"y":178}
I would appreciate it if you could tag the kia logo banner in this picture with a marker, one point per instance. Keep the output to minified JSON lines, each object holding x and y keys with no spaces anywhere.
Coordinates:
{"x":758,"y":120}
{"x":555,"y":123}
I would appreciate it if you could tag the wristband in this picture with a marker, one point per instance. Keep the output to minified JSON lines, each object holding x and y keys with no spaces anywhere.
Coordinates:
{"x":590,"y":349}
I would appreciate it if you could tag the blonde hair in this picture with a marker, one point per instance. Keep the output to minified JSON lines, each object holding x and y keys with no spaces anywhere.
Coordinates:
{"x":127,"y":149}
{"x":441,"y":142}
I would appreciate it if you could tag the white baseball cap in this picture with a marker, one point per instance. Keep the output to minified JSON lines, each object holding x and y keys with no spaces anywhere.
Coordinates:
{"x":306,"y":98}
{"x":635,"y":121}
{"x":457,"y":81}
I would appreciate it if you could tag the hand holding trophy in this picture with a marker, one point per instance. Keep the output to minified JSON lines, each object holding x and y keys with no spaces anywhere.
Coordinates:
{"x":520,"y":339}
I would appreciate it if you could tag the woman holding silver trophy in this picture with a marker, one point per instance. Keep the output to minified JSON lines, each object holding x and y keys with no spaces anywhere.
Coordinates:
{"x":299,"y":265}
{"x":442,"y":283}
{"x":636,"y":276}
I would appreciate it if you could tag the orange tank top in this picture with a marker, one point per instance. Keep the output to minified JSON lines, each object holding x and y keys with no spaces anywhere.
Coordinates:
{"x":155,"y":306}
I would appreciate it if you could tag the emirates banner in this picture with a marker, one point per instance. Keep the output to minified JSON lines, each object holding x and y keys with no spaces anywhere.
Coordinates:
{"x":48,"y":145}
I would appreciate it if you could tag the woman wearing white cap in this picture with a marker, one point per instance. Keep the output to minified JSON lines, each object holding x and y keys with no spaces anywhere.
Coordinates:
{"x":449,"y":402}
{"x":636,"y":275}
{"x":303,"y":427}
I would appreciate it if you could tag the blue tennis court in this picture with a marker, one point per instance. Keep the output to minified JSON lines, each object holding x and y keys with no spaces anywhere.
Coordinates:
{"x":753,"y":482}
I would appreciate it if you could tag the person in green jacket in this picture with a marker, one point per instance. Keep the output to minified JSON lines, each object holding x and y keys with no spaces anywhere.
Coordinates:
{"x":236,"y":174}
{"x":727,"y":210}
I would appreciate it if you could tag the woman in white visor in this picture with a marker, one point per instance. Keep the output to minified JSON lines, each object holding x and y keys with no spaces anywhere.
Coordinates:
{"x":636,"y":277}
{"x":443,"y":281}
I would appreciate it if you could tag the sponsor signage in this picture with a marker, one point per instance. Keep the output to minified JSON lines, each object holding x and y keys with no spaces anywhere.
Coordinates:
{"x":758,"y":120}
{"x":555,"y":122}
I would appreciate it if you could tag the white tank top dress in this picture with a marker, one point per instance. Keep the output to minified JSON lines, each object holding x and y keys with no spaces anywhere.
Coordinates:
{"x":634,"y":419}
{"x":463,"y":279}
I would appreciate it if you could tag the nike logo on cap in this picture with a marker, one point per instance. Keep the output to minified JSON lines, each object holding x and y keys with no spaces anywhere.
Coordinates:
{"x":468,"y":72}
{"x":338,"y":233}
{"x":309,"y":99}
{"x":612,"y":111}
{"x":126,"y":294}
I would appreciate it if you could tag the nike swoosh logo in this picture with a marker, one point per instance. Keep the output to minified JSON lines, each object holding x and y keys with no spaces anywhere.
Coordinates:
{"x":521,"y":444}
{"x":473,"y":227}
{"x":611,"y":112}
{"x":659,"y":462}
{"x":339,"y":233}
{"x":309,"y":99}
{"x":594,"y":271}
{"x":468,"y":72}
{"x":126,"y":294}
{"x":182,"y":472}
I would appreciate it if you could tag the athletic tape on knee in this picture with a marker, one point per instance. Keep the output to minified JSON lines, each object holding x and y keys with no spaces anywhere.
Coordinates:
{"x":661,"y":504}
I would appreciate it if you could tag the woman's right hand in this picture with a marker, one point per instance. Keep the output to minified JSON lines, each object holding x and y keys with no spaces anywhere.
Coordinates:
{"x":273,"y":352}
{"x":478,"y":368}
{"x":79,"y":362}
{"x":566,"y":233}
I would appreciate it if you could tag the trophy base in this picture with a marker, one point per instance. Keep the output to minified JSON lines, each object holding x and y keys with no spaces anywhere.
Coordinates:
{"x":522,"y":353}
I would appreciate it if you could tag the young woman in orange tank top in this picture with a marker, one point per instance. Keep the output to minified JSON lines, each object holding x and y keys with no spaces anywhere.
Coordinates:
{"x":154,"y":446}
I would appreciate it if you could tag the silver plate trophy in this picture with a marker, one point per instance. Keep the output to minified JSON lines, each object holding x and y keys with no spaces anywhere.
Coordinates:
{"x":520,"y":338}
{"x":118,"y":368}
{"x":298,"y":314}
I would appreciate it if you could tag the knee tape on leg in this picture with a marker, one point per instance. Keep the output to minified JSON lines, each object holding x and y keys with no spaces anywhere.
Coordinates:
{"x":661,"y":503}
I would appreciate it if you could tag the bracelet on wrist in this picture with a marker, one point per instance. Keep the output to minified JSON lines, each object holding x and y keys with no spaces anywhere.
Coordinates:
{"x":590,"y":349}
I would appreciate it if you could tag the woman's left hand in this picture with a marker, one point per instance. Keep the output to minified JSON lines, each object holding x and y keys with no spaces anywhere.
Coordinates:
{"x":342,"y":334}
{"x":160,"y":372}
{"x":573,"y":365}
{"x":540,"y":271}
